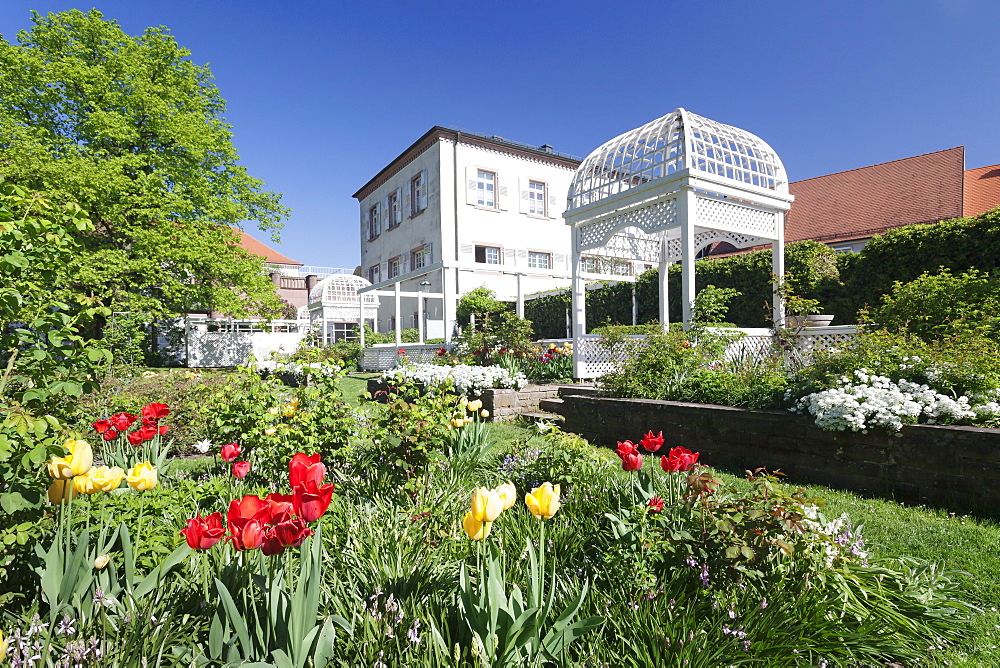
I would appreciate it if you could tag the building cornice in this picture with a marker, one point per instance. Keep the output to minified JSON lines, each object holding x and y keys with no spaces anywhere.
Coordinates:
{"x":439,"y":133}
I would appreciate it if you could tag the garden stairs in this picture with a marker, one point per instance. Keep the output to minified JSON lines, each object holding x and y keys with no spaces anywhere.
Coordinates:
{"x":551,"y":409}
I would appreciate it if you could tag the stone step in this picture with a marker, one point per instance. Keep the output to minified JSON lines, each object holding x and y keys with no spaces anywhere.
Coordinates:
{"x":570,"y":390}
{"x":550,"y":405}
{"x":538,"y":416}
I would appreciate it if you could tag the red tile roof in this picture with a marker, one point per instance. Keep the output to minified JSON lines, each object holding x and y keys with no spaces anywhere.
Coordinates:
{"x":982,"y":190}
{"x":251,"y":245}
{"x":861,"y":202}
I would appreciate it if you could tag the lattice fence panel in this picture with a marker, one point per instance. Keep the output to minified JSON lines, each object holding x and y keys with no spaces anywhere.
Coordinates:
{"x":724,"y":215}
{"x":385,"y":357}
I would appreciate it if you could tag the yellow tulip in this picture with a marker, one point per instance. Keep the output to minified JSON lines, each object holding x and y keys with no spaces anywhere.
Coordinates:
{"x":288,"y":410}
{"x":294,"y":403}
{"x":467,"y":420}
{"x":551,"y":346}
{"x":458,"y":422}
{"x":270,"y":431}
{"x":77,"y":462}
{"x":106,"y":479}
{"x":273,"y":410}
{"x":142,"y":477}
{"x":474,"y":405}
{"x":475,"y":529}
{"x":3,"y":648}
{"x":486,"y":504}
{"x":484,"y":413}
{"x":543,"y":502}
{"x":84,"y":484}
{"x":101,"y":561}
{"x":463,"y":401}
{"x":57,"y":491}
{"x":508,"y":494}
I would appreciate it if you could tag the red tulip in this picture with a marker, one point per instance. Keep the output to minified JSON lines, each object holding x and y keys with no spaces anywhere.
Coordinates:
{"x":147,"y":432}
{"x":271,"y":545}
{"x":280,"y":506}
{"x":679,"y":459}
{"x":102,"y":426}
{"x":311,"y":500}
{"x":293,"y":532}
{"x":202,"y":533}
{"x":247,"y":534}
{"x":652,"y":443}
{"x":230,"y":451}
{"x":250,"y":507}
{"x":631,"y":459}
{"x":240,"y":469}
{"x":110,"y":435}
{"x":155,"y":411}
{"x":122,"y":421}
{"x":655,"y":504}
{"x":162,"y":429}
{"x":305,"y":467}
{"x":135,"y":437}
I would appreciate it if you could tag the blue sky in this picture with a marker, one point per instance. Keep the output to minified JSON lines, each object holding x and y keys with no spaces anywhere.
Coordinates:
{"x":322,"y":95}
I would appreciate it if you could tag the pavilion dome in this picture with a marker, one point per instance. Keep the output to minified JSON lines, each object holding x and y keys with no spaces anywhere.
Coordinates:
{"x":680,"y":140}
{"x":340,"y":289}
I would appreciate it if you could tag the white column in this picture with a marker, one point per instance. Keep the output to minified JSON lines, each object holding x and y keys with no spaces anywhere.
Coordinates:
{"x":420,"y":317}
{"x":397,"y":323}
{"x":447,"y":303}
{"x":778,"y":267}
{"x":579,"y":307}
{"x":361,"y":318}
{"x":662,"y":279}
{"x":635,"y":305}
{"x":520,"y":297}
{"x":687,"y":214}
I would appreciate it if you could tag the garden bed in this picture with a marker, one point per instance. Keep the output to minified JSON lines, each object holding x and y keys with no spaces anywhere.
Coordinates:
{"x":956,"y":466}
{"x":502,"y":403}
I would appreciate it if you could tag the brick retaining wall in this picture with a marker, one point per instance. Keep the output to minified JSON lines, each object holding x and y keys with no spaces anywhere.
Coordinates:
{"x":957,"y":466}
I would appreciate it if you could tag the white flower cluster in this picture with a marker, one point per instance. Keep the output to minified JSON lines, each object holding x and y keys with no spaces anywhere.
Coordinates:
{"x":296,"y":369}
{"x":832,"y":541}
{"x":865,"y":401}
{"x":467,"y":379}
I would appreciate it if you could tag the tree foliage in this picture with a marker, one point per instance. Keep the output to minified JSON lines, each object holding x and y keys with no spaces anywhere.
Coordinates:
{"x":132,"y":130}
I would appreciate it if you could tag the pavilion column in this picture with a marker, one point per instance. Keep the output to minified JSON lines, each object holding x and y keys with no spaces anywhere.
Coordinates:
{"x":635,"y":305}
{"x":420,"y":317}
{"x":396,"y":323}
{"x":664,"y":303}
{"x":361,"y":318}
{"x":778,"y":267}
{"x":579,"y":307}
{"x":520,"y":296}
{"x":688,"y":215}
{"x":447,"y":303}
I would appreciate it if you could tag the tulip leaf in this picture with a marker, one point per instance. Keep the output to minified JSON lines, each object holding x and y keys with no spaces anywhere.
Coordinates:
{"x":233,"y":617}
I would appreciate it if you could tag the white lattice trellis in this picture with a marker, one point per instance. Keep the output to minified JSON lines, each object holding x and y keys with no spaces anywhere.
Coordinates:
{"x":720,"y":214}
{"x":652,"y":218}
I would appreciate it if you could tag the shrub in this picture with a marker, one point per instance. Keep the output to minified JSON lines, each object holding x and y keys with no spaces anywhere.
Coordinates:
{"x":943,"y":305}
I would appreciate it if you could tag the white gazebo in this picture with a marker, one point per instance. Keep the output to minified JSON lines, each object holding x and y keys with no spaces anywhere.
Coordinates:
{"x":663,"y":192}
{"x":336,"y":308}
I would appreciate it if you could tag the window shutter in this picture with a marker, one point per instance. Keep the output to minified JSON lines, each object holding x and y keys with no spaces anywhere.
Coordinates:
{"x":510,"y":257}
{"x":468,"y":249}
{"x":470,"y":190}
{"x":407,"y":206}
{"x":364,"y":224}
{"x":427,"y":187}
{"x":522,"y":258}
{"x":502,"y":203}
{"x":378,"y":218}
{"x":522,"y":186}
{"x":558,"y":261}
{"x":406,"y":263}
{"x":384,"y":271}
{"x":430,"y":254}
{"x":552,"y":206}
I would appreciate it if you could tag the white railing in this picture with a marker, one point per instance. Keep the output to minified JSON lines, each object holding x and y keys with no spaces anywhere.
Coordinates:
{"x":221,"y":342}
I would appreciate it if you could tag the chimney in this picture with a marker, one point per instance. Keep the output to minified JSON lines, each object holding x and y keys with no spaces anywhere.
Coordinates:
{"x":311,"y":281}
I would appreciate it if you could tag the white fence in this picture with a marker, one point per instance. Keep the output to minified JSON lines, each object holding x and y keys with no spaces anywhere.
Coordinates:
{"x":385,"y":356}
{"x":217,"y":342}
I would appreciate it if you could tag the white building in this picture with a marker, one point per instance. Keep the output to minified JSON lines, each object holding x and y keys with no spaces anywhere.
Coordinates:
{"x":456,"y":211}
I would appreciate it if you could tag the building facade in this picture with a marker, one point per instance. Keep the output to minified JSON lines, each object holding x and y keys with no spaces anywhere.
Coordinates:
{"x":456,"y":211}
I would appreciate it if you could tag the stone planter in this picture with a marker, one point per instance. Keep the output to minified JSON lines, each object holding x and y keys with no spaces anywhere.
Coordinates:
{"x":808,"y":320}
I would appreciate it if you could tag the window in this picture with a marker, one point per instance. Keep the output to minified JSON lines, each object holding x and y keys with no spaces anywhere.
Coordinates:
{"x":488,"y":254}
{"x":420,"y":257}
{"x":486,"y":183}
{"x":391,"y":324}
{"x":418,"y":193}
{"x":843,"y":249}
{"x":374,"y":228}
{"x":536,"y":198}
{"x":588,"y":265}
{"x":393,"y":271}
{"x":373,"y":274}
{"x":392,"y":210}
{"x":539,"y":260}
{"x":341,"y":331}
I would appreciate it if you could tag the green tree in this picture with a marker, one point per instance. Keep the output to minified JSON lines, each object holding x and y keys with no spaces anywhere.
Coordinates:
{"x":132,"y":130}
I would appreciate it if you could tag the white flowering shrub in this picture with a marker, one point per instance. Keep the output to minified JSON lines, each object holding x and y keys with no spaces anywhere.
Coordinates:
{"x":296,"y":369}
{"x":466,"y":379}
{"x":861,"y":401}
